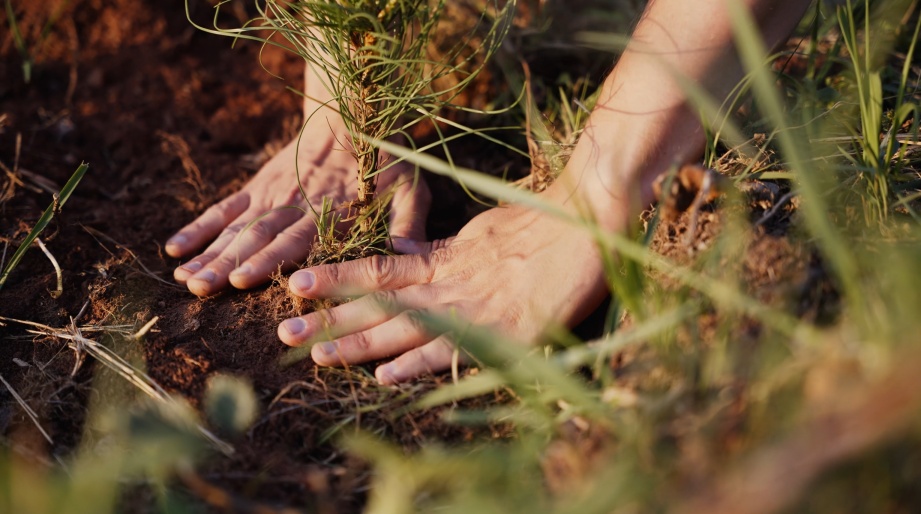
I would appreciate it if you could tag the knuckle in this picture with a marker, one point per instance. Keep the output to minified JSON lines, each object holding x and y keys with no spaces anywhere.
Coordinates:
{"x":425,"y":361}
{"x":443,"y":345}
{"x":434,"y":260}
{"x":330,"y":274}
{"x":224,"y":209}
{"x":231,"y":230}
{"x":228,"y":260}
{"x":270,"y":260}
{"x":328,"y":318}
{"x":415,"y":322}
{"x":380,"y":269}
{"x":299,"y":233}
{"x":207,"y":256}
{"x":359,"y":341}
{"x":386,"y":300}
{"x":261,"y":231}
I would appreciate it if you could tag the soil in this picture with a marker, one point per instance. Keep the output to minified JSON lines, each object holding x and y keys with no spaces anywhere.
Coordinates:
{"x":172,"y":119}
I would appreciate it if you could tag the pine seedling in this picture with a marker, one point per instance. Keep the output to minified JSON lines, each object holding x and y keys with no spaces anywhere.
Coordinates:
{"x":374,"y":54}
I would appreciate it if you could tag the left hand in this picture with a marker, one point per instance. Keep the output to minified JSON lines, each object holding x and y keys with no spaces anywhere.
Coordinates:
{"x":511,"y":268}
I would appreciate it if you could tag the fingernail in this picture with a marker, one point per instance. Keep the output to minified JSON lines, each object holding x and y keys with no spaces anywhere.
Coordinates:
{"x":294,"y":326}
{"x":242,"y":271}
{"x":206,"y":276}
{"x":387,"y":373}
{"x":303,"y":280}
{"x":178,"y":240}
{"x":191,"y":267}
{"x":329,"y":348}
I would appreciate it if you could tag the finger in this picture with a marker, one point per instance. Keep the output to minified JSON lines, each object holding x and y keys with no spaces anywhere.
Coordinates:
{"x":397,"y":335}
{"x":375,"y":273}
{"x":184,"y":272}
{"x":208,"y":225}
{"x":429,"y":358}
{"x":348,"y":318}
{"x":409,"y":208}
{"x":291,"y":246}
{"x":250,"y":238}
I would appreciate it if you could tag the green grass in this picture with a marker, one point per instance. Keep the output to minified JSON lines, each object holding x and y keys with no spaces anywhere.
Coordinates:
{"x":55,"y":208}
{"x":724,"y":403}
{"x":27,"y":51}
{"x":797,"y":383}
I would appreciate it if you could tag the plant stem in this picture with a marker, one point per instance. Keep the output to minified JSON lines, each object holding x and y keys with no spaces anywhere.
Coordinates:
{"x":365,"y":109}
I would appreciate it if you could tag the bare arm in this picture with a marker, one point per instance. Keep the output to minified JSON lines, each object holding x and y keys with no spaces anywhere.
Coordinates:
{"x":642,"y":124}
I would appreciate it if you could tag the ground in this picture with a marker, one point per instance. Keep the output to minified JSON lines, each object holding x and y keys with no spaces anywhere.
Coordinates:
{"x":171,"y":119}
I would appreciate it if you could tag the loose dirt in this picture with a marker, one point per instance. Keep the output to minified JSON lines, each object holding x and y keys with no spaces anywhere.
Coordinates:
{"x":171,"y":120}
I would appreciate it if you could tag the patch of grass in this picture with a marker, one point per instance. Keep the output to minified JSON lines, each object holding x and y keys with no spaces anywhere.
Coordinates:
{"x":748,"y":414}
{"x":27,"y":53}
{"x":43,"y":221}
{"x":712,"y":395}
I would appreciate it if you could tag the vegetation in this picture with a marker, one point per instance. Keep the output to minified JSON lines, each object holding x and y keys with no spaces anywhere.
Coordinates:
{"x":54,"y":208}
{"x":715,"y":389}
{"x":378,"y":72}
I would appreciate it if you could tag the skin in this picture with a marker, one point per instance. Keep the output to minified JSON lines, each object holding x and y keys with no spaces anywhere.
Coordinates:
{"x":518,"y":270}
{"x":243,"y":255}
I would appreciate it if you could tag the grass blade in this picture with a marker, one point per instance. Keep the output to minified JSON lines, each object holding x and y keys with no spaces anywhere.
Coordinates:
{"x":43,"y":222}
{"x":20,"y":43}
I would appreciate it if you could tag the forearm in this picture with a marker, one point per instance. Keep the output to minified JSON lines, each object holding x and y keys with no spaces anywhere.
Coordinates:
{"x":317,"y":90}
{"x":642,"y":123}
{"x":317,"y":87}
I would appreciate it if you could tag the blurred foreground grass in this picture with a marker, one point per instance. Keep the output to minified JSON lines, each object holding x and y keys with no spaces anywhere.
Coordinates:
{"x":728,"y":404}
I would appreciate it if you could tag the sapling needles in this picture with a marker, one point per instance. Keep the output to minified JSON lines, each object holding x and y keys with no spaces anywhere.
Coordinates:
{"x":374,"y":55}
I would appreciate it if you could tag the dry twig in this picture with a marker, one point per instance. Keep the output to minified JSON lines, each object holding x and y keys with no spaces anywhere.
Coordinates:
{"x":75,"y":339}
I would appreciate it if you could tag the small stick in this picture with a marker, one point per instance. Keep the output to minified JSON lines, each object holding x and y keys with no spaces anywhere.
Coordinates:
{"x":97,"y":235}
{"x":80,"y":314}
{"x":57,"y":268}
{"x":29,"y":411}
{"x":702,"y":195}
{"x":78,"y":346}
{"x":146,"y":328}
{"x":776,"y":207}
{"x":39,"y":183}
{"x":116,"y":363}
{"x":222,"y":498}
{"x":455,"y":361}
{"x":17,"y":152}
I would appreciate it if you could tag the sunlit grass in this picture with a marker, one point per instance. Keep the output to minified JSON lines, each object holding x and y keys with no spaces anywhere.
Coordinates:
{"x":724,"y":402}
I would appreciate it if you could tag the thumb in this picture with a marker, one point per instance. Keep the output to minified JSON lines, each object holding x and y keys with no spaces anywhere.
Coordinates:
{"x":409,"y":207}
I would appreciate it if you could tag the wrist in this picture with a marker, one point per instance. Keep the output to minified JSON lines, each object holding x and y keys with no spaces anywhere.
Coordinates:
{"x":318,"y":96}
{"x":610,"y":173}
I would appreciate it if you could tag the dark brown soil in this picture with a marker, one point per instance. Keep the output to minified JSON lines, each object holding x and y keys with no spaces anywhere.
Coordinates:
{"x":170,"y":120}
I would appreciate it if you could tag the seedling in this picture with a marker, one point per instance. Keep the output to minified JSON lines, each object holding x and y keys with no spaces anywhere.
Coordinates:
{"x":374,"y":54}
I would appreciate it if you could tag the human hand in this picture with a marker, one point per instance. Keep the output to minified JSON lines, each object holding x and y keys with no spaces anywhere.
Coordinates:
{"x":283,"y":226}
{"x":511,"y":268}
